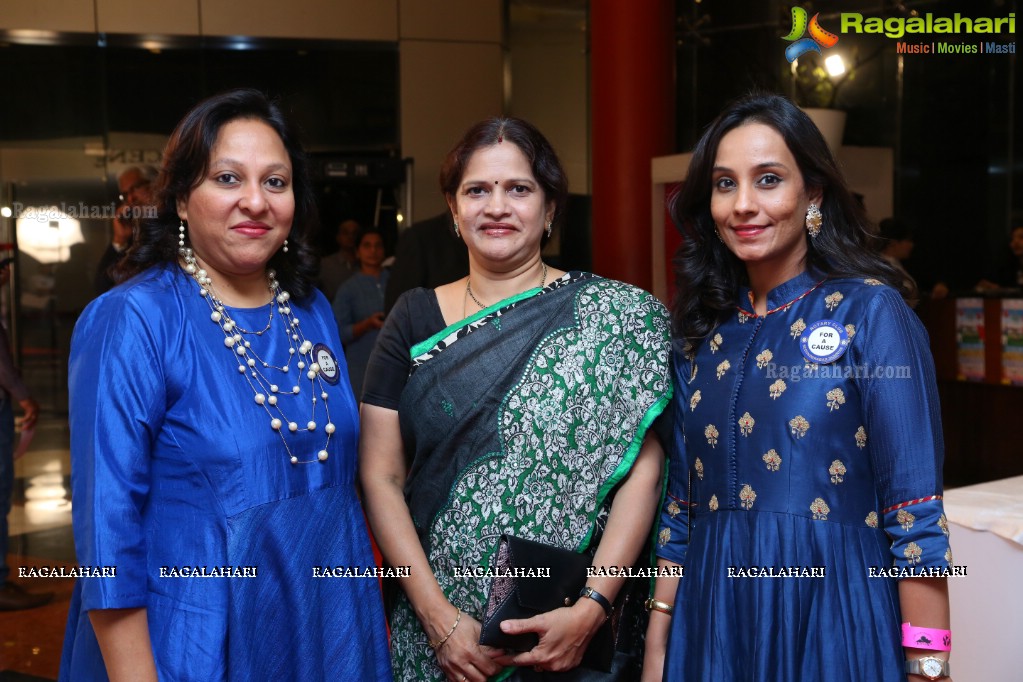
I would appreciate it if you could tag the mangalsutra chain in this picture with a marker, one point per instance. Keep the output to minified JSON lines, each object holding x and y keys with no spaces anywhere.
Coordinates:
{"x":468,"y":286}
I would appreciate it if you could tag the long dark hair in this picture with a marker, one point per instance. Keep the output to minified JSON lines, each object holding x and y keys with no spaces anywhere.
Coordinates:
{"x":186,"y":161}
{"x":708,"y":275}
{"x":543,"y":161}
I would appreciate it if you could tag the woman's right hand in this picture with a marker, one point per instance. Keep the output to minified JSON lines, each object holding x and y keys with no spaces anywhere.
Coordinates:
{"x":462,"y":657}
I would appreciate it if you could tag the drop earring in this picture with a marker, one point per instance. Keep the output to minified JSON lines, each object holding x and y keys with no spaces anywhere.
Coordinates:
{"x":814,"y":220}
{"x":285,"y":246}
{"x":181,"y":234}
{"x":550,"y":227}
{"x":457,"y":233}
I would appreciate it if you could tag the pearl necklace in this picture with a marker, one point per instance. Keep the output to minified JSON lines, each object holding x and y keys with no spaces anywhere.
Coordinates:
{"x":252,"y":365}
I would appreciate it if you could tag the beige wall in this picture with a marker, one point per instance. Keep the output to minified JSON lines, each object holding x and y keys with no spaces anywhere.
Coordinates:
{"x":550,"y":90}
{"x":452,"y":75}
{"x":48,"y":15}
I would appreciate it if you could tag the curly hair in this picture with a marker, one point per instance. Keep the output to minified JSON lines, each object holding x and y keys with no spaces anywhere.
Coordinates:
{"x":543,"y":161}
{"x":186,"y":161}
{"x":708,"y":275}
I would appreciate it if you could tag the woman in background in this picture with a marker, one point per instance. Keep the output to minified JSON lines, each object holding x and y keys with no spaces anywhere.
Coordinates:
{"x":359,"y":305}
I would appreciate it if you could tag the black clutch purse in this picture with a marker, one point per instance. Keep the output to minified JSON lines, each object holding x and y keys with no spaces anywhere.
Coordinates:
{"x":515,"y":597}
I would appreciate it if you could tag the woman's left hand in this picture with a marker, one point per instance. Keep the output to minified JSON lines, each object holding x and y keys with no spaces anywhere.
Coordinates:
{"x":564,"y":634}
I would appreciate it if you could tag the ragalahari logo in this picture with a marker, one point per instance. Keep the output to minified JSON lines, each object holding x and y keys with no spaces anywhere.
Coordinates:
{"x":817,"y":39}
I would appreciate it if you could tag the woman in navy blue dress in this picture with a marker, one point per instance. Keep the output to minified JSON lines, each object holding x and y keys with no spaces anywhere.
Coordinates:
{"x":213,"y":434}
{"x":804,"y":496}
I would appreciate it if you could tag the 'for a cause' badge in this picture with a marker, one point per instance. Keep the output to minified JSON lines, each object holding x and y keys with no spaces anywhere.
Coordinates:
{"x":824,"y":341}
{"x":329,"y":371}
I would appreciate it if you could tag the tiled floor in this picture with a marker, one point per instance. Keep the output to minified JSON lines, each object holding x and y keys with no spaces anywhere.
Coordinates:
{"x":40,"y":528}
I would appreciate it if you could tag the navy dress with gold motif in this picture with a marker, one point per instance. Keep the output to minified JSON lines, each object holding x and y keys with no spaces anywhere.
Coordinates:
{"x":793,"y":484}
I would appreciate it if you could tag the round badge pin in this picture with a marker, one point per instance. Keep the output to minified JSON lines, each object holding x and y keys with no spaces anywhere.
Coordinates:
{"x":325,"y":358}
{"x":824,"y":341}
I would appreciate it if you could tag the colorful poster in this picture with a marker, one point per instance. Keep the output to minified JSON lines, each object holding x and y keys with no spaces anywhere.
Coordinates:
{"x":1012,"y":341}
{"x":970,"y":339}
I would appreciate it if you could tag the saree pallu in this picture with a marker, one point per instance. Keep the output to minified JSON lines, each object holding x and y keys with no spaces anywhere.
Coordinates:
{"x":523,"y":419}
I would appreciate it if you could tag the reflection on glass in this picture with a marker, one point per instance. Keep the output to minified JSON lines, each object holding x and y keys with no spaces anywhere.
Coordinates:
{"x":47,"y":234}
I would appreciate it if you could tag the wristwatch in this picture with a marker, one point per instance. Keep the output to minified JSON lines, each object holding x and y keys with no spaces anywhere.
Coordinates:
{"x":930,"y":667}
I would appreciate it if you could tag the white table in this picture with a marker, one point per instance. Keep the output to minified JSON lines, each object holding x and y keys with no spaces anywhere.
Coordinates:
{"x":986,"y":533}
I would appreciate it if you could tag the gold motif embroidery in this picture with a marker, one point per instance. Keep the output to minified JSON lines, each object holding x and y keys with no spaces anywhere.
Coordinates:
{"x":948,"y":555}
{"x":743,"y":317}
{"x":850,"y":329}
{"x":747,"y":496}
{"x":777,"y":388}
{"x":912,"y":553}
{"x":723,"y":367}
{"x":820,"y":509}
{"x":711,"y":432}
{"x":797,"y":328}
{"x":696,"y":368}
{"x":837,"y":471}
{"x":713,"y":504}
{"x":861,"y":438}
{"x":695,"y":400}
{"x":832,"y":300}
{"x":715,"y":343}
{"x":799,"y":426}
{"x":664,"y":537}
{"x":943,"y":524}
{"x":872,"y":519}
{"x":872,"y":282}
{"x":673,"y":509}
{"x":746,"y":423}
{"x":765,"y":357}
{"x":772,"y":459}
{"x":905,"y":519}
{"x":836,"y":398}
{"x":698,"y":466}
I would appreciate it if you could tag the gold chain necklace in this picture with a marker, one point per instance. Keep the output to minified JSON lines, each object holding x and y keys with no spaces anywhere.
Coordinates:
{"x":468,"y":286}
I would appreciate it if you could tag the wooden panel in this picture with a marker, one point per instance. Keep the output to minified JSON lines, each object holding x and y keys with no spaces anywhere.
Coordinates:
{"x":48,"y":15}
{"x":461,"y":20}
{"x":152,"y":16}
{"x":323,"y":19}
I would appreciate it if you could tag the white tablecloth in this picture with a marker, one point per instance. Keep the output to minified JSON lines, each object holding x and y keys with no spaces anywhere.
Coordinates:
{"x":986,"y":533}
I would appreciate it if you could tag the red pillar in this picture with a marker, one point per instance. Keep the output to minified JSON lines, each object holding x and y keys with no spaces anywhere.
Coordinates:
{"x":632,"y":90}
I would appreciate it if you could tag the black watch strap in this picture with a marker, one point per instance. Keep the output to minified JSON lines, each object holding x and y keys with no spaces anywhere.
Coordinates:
{"x":590,"y":593}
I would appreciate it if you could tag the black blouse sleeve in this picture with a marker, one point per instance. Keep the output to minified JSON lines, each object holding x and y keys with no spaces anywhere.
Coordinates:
{"x":416,"y":315}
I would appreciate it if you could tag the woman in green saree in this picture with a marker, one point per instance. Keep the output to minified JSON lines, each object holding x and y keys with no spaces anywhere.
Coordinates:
{"x":517,"y":400}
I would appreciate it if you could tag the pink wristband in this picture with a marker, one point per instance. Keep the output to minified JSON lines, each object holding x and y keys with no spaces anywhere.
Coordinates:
{"x":926,"y":638}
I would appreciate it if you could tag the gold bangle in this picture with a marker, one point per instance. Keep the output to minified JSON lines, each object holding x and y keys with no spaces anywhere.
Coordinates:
{"x":438,"y":644}
{"x":655,"y":605}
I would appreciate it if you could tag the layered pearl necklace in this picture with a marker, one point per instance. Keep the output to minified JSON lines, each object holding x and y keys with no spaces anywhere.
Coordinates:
{"x":266,"y":393}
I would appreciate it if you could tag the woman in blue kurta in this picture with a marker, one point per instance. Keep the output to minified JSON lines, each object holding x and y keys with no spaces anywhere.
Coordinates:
{"x":359,"y":306}
{"x":214,"y":433}
{"x":808,"y":450}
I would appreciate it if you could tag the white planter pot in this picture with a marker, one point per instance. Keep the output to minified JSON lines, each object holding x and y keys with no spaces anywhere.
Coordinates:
{"x":831,"y":123}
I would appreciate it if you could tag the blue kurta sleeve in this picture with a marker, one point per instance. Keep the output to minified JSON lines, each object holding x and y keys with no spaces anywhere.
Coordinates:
{"x":903,"y":430}
{"x":344,"y":310}
{"x":117,"y":398}
{"x":673,"y":534}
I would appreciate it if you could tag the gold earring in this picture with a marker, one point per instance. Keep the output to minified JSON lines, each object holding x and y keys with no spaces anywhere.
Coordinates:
{"x":814,"y":220}
{"x":550,"y":226}
{"x":457,"y":233}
